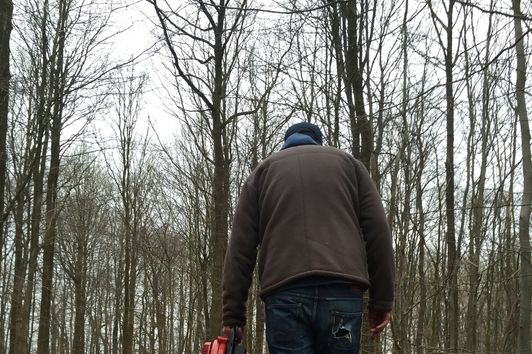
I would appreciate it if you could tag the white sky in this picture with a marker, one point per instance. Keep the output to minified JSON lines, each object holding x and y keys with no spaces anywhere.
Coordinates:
{"x":138,"y":40}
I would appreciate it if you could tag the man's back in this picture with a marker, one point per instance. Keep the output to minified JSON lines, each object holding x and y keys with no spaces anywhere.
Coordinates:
{"x":309,"y":199}
{"x":318,"y":220}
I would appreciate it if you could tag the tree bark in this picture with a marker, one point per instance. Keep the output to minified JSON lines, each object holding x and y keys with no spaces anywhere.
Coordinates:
{"x":51,"y":187}
{"x":217,"y":122}
{"x":221,"y":180}
{"x":20,"y":339}
{"x":525,"y":269}
{"x":6,"y":15}
{"x":478,"y":202}
{"x":128,"y":227}
{"x":38,"y":137}
{"x":80,"y":295}
{"x":452,"y":256}
{"x":20,"y":266}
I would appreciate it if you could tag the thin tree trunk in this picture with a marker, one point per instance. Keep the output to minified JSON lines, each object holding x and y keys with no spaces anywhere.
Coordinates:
{"x":20,"y":267}
{"x":4,"y":283}
{"x":260,"y":320}
{"x":419,"y":339}
{"x":452,"y":255}
{"x":129,"y":252}
{"x":119,"y":278}
{"x":52,"y":189}
{"x":363,"y":125}
{"x":80,"y":294}
{"x":510,"y":267}
{"x":221,"y":179}
{"x":129,"y":325}
{"x":478,"y":200}
{"x":29,"y":293}
{"x":353,"y":77}
{"x":401,"y":342}
{"x":525,"y":269}
{"x":421,"y":321}
{"x":338,"y":34}
{"x":19,"y":337}
{"x":6,"y":14}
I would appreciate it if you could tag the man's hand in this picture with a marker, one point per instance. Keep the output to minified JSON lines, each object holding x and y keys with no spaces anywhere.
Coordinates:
{"x":226,"y":331}
{"x":378,"y":320}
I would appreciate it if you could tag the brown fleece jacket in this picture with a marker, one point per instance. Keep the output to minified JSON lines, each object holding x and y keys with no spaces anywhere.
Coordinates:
{"x":312,"y":210}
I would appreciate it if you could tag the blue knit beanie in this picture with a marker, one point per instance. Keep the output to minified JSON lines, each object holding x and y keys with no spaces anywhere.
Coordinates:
{"x":306,"y":128}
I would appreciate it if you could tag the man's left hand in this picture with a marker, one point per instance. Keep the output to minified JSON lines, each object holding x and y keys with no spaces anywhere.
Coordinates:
{"x":378,"y":320}
{"x":239,"y":332}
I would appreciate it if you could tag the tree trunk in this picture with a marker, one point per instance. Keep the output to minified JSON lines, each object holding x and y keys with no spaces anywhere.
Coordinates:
{"x":6,"y":14}
{"x":80,"y":292}
{"x":452,"y":256}
{"x":38,"y":147}
{"x":525,"y":269}
{"x":421,"y":321}
{"x":258,"y":344}
{"x":129,"y":305}
{"x":363,"y":125}
{"x":221,"y":179}
{"x":421,"y":327}
{"x":129,"y":237}
{"x":478,"y":201}
{"x":20,"y":266}
{"x":119,"y":278}
{"x":338,"y":34}
{"x":36,"y":213}
{"x":82,"y":234}
{"x":353,"y":77}
{"x":51,"y":188}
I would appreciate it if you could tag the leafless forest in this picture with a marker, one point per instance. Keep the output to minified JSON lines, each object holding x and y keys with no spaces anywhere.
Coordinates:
{"x":113,"y":231}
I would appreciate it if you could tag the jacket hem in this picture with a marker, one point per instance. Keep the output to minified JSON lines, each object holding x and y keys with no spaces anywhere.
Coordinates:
{"x":361,"y":282}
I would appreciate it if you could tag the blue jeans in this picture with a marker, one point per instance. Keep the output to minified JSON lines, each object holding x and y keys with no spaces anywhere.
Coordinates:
{"x":314,"y":320}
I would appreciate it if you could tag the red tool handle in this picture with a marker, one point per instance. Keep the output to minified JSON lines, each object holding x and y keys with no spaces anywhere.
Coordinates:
{"x":219,"y":346}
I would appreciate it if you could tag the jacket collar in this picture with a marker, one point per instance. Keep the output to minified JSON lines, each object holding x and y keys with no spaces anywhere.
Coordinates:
{"x":298,"y":139}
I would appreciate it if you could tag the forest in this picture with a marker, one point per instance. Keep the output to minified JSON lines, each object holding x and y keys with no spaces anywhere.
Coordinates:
{"x":128,"y":127}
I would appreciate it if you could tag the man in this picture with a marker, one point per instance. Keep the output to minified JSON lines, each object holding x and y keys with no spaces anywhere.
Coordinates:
{"x":319,"y":222}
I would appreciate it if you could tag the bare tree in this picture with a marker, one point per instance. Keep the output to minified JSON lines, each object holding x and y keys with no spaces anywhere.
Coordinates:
{"x":445,"y":30}
{"x":85,"y":196}
{"x":214,"y":97}
{"x":6,"y":14}
{"x":128,"y":176}
{"x":477,"y":214}
{"x":37,"y":134}
{"x":54,"y":67}
{"x":525,"y":269}
{"x":352,"y":31}
{"x":57,"y":83}
{"x":221,"y":31}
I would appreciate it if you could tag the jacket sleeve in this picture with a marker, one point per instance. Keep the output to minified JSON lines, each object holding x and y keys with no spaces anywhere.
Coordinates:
{"x":379,"y":248}
{"x":240,"y":257}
